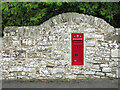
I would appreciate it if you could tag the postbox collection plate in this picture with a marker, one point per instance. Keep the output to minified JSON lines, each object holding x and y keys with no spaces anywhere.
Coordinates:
{"x":77,"y":48}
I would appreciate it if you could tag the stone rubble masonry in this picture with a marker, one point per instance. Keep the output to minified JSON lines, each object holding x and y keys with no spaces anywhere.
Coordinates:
{"x":43,"y":52}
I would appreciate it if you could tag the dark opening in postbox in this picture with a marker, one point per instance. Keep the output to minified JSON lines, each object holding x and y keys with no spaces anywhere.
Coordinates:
{"x":77,"y":48}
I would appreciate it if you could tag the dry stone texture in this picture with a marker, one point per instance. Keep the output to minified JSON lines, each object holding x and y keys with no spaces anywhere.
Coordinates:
{"x":43,"y":52}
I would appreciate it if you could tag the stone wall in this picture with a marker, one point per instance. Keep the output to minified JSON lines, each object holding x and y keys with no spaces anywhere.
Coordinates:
{"x":43,"y":52}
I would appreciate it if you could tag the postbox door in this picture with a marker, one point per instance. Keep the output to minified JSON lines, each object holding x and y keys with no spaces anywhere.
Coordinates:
{"x":77,"y":49}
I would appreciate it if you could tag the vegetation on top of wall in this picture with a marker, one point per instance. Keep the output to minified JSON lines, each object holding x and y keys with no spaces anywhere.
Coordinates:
{"x":35,"y":13}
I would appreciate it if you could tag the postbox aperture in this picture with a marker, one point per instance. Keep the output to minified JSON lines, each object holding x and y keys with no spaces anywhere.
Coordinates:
{"x":77,"y":48}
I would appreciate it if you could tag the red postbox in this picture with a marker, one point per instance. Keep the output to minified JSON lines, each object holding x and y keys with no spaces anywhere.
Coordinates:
{"x":77,"y":48}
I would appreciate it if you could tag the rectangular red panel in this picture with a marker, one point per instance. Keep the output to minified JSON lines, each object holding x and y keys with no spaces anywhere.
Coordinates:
{"x":77,"y":48}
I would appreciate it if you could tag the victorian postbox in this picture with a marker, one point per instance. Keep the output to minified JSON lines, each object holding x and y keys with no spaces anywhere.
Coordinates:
{"x":77,"y":48}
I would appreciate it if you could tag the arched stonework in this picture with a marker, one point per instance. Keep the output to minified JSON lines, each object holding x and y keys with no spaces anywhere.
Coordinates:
{"x":43,"y":52}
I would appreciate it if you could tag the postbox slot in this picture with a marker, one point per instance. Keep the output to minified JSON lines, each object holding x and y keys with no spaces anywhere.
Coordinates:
{"x":77,"y":40}
{"x":77,"y":44}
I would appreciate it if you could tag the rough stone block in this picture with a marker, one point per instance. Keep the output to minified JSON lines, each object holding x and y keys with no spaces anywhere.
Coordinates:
{"x":5,"y":53}
{"x":90,"y":43}
{"x":90,"y":30}
{"x":96,"y":66}
{"x":43,"y":63}
{"x":58,"y":76}
{"x":76,"y":71}
{"x":44,"y":43}
{"x":71,"y":76}
{"x":44,"y":71}
{"x":100,"y":74}
{"x":28,"y":42}
{"x":52,"y":38}
{"x":116,"y":59}
{"x":34,"y":55}
{"x":118,"y":73}
{"x":23,"y":73}
{"x":57,"y":71}
{"x":11,"y":32}
{"x":107,"y":59}
{"x":29,"y":69}
{"x":113,"y":64}
{"x":18,"y":54}
{"x":89,"y":72}
{"x":12,"y":78}
{"x":7,"y":42}
{"x":30,"y":75}
{"x":115,"y":53}
{"x":106,"y":69}
{"x":13,"y":69}
{"x":103,"y":65}
{"x":16,"y":43}
{"x":104,"y":44}
{"x":44,"y":48}
{"x":96,"y":76}
{"x":110,"y":75}
{"x":96,"y":70}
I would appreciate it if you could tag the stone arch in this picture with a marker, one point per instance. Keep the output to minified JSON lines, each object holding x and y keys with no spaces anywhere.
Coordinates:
{"x":77,"y":19}
{"x":45,"y":49}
